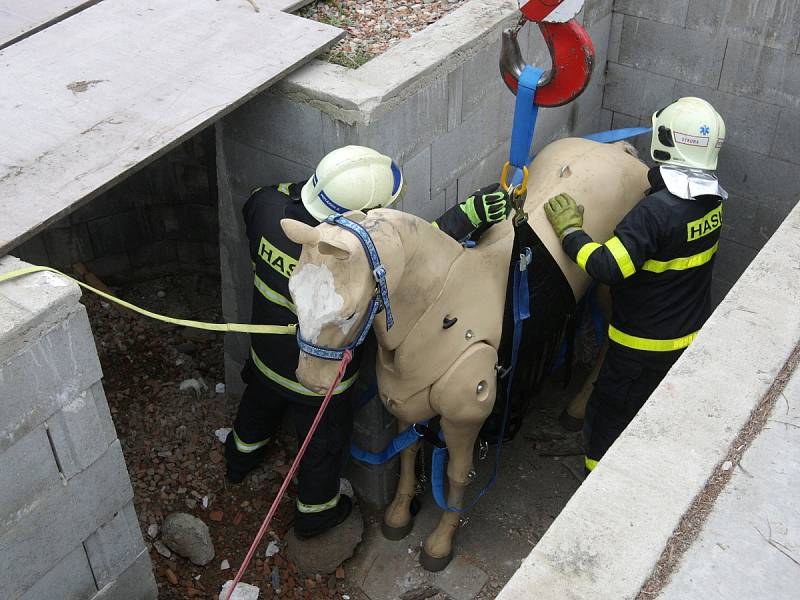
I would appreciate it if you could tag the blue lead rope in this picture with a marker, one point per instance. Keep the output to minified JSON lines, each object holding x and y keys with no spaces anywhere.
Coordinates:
{"x":399,"y":443}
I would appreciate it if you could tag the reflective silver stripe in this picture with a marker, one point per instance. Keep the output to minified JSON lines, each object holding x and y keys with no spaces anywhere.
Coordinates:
{"x":294,"y":386}
{"x":246,"y":448}
{"x":272,"y":295}
{"x":318,"y":508}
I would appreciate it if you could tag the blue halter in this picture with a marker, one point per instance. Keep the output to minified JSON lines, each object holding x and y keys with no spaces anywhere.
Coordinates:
{"x":380,"y":300}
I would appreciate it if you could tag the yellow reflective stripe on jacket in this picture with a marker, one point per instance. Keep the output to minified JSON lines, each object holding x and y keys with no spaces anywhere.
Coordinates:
{"x":589,"y":463}
{"x":295,"y":386}
{"x":283,"y":188}
{"x":317,"y":508}
{"x":681,"y":264}
{"x":246,"y":448}
{"x":272,"y":295}
{"x":622,"y":257}
{"x":639,"y":343}
{"x":585,"y":252}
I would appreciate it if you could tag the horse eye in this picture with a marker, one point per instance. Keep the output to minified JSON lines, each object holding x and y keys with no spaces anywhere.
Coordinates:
{"x":351,"y":316}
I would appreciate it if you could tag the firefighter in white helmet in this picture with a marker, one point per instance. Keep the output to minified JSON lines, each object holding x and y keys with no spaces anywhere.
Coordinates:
{"x":349,"y":178}
{"x":658,"y":264}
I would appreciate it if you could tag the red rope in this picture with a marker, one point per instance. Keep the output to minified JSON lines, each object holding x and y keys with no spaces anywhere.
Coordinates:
{"x":348,"y":356}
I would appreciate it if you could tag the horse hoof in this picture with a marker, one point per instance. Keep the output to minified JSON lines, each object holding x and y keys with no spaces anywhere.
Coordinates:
{"x":433,"y":564}
{"x":397,"y":533}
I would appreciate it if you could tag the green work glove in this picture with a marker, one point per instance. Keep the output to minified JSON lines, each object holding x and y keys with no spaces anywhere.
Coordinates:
{"x":564,"y":214}
{"x":486,"y":206}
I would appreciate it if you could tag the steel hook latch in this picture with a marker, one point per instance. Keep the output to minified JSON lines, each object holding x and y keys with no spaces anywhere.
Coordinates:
{"x":571,"y":50}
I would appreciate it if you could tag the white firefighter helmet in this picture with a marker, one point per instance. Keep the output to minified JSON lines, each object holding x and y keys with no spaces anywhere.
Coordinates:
{"x":688,"y":133}
{"x":352,"y":178}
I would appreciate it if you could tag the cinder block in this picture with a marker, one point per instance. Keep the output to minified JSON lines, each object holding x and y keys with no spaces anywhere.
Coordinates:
{"x":785,"y":145}
{"x":70,"y":579}
{"x":748,"y":173}
{"x":478,"y":72}
{"x":417,"y":175}
{"x":673,"y":13}
{"x":635,"y":92}
{"x":641,"y":142}
{"x":278,"y":125}
{"x":100,"y":491}
{"x":68,"y":245}
{"x":749,"y":123}
{"x":455,"y":97}
{"x":405,"y":128}
{"x":484,"y":173}
{"x":82,"y":430}
{"x":762,"y":73}
{"x":135,"y":583}
{"x":615,"y":38}
{"x":731,"y":261}
{"x":336,"y":133}
{"x":66,"y":364}
{"x":115,"y":546}
{"x":428,"y":208}
{"x":44,"y":532}
{"x":596,"y":10}
{"x":458,"y":150}
{"x":118,"y":232}
{"x":672,"y":51}
{"x":112,"y":268}
{"x":242,"y":168}
{"x":33,"y":251}
{"x":28,"y":470}
{"x":375,"y":484}
{"x":234,"y":386}
{"x":773,"y":24}
{"x":553,"y":124}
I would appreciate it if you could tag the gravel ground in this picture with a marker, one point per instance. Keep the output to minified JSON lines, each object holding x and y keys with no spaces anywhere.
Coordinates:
{"x":374,"y":26}
{"x":175,"y":460}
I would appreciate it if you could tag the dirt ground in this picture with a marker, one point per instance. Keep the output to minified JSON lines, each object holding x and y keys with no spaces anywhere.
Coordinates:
{"x":176,"y":461}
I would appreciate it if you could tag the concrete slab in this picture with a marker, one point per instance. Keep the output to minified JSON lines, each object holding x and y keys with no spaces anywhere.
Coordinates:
{"x":108,"y":112}
{"x":20,"y":18}
{"x":749,"y":542}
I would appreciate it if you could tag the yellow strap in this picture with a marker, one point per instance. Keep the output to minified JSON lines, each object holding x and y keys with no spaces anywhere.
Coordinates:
{"x":590,"y":464}
{"x":237,"y":327}
{"x":681,"y":264}
{"x":585,"y":252}
{"x":622,"y":257}
{"x":639,"y":343}
{"x":296,"y":386}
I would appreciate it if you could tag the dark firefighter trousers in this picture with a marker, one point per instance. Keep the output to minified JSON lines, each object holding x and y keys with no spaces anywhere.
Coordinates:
{"x":626,"y":380}
{"x":261,"y":411}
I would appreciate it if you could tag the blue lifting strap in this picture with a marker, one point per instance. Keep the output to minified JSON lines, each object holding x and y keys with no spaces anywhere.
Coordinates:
{"x":617,"y":135}
{"x":399,"y":443}
{"x":522,"y":312}
{"x":524,"y":124}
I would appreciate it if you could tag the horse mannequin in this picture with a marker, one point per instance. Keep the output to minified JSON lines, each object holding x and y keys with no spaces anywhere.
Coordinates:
{"x":423,"y":368}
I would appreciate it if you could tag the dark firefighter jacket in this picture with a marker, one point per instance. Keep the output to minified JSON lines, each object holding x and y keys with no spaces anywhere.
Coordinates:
{"x":273,"y":358}
{"x":659,"y":266}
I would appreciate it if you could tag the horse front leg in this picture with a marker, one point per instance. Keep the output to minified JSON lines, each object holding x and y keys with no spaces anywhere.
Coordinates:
{"x":398,"y":519}
{"x":464,"y":397}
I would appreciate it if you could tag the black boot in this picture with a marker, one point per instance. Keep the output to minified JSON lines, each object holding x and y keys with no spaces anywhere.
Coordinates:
{"x":570,"y":423}
{"x":239,"y":464}
{"x":308,"y":525}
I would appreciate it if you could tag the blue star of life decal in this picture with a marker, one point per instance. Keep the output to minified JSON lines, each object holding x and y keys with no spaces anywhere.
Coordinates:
{"x":705,"y":129}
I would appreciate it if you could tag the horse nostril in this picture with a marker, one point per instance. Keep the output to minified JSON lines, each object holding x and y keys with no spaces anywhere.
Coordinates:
{"x":447,"y":322}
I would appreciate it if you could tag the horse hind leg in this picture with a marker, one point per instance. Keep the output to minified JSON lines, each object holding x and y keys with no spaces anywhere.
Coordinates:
{"x":464,"y":397}
{"x":398,"y":520}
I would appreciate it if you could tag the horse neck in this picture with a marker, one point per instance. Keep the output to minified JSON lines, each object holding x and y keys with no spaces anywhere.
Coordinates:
{"x":427,"y":255}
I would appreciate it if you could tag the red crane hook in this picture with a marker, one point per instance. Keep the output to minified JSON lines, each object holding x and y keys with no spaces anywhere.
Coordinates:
{"x":571,"y":51}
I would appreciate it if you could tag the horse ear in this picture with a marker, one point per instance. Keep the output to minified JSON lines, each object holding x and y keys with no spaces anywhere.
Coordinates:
{"x":300,"y":233}
{"x":355,"y":215}
{"x":335,"y":248}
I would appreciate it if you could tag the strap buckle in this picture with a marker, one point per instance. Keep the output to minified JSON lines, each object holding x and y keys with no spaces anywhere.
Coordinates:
{"x":379,"y":274}
{"x":425,"y":432}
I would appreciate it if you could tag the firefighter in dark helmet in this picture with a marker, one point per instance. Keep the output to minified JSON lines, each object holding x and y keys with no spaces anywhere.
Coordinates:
{"x":658,"y":264}
{"x":349,"y":178}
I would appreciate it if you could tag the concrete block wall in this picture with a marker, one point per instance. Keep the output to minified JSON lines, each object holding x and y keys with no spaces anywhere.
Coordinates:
{"x":435,"y":103}
{"x":742,"y":56}
{"x":160,"y":220}
{"x":68,"y":529}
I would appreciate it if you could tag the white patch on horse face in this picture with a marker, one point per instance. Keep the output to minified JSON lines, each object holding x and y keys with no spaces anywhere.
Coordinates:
{"x":318,"y":304}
